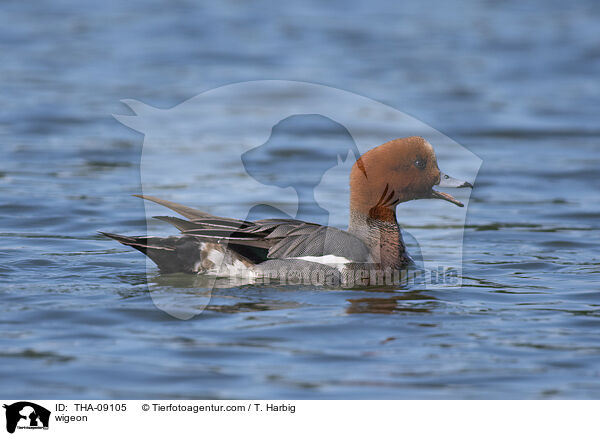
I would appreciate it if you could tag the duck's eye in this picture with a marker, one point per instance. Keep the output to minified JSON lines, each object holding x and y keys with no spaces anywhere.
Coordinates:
{"x":421,"y":164}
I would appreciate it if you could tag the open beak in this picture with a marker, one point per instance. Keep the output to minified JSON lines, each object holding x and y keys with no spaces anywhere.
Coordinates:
{"x":449,"y":182}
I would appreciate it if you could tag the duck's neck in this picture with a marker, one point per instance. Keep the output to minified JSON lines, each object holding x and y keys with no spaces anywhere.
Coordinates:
{"x":379,"y":229}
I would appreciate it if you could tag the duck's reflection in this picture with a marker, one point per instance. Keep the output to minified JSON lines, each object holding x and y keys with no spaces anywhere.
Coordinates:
{"x":204,"y":293}
{"x":218,"y":295}
{"x":410,"y":302}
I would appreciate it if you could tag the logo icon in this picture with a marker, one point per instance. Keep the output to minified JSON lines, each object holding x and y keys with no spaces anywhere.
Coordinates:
{"x":293,"y":143}
{"x":26,"y":415}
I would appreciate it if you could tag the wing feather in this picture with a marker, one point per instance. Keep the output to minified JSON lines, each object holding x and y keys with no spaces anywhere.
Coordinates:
{"x":268,"y":238}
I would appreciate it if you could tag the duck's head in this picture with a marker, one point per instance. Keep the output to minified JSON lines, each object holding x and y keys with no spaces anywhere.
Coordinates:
{"x":400,"y":170}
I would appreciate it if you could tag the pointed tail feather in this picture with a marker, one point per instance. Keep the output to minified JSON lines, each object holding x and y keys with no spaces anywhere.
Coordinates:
{"x":188,"y":212}
{"x":141,"y":243}
{"x":197,"y":215}
{"x":181,"y":224}
{"x":166,"y":253}
{"x":208,"y":223}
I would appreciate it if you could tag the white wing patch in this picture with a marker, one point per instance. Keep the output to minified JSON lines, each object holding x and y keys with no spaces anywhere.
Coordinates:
{"x":330,"y":260}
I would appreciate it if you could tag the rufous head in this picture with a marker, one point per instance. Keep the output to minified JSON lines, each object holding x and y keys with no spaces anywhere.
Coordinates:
{"x":400,"y":170}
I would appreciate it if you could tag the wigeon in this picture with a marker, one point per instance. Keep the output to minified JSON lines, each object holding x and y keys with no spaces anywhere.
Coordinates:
{"x":395,"y":172}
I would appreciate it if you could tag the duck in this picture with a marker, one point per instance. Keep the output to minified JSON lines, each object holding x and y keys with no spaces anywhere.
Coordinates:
{"x":398,"y":171}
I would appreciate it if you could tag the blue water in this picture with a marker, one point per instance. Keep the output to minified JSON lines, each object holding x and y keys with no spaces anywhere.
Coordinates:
{"x":516,"y":83}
